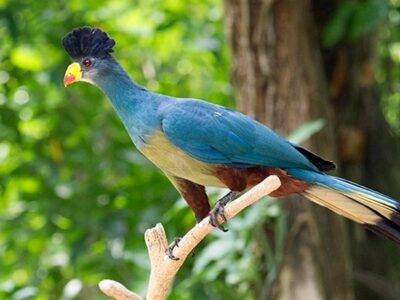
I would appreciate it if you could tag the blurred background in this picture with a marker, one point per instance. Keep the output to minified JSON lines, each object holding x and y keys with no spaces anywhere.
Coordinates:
{"x":76,"y":196}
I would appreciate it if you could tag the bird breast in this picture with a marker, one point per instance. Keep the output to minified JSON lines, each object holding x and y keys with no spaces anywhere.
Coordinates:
{"x":174,"y":161}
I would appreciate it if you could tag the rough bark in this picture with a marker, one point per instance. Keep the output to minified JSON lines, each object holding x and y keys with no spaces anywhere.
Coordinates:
{"x":278,"y":75}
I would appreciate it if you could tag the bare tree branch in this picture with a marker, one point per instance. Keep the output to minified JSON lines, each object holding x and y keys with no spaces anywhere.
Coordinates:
{"x":114,"y":289}
{"x":163,"y":269}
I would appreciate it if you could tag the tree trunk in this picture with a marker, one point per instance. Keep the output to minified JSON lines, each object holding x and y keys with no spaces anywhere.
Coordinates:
{"x":368,"y":154}
{"x":277,"y":71}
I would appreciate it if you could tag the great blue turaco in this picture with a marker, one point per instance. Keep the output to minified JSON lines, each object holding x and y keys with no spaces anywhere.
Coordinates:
{"x":198,"y":144}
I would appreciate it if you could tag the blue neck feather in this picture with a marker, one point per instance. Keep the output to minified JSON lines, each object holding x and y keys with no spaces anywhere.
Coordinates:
{"x":119,"y":87}
{"x":135,"y":105}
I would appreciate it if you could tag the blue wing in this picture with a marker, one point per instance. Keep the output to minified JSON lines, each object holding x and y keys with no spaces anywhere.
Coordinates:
{"x":217,"y":135}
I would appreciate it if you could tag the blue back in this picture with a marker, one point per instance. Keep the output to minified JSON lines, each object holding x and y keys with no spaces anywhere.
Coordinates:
{"x":217,"y":135}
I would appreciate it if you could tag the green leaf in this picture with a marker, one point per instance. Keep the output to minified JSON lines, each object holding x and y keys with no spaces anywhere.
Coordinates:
{"x":353,"y":19}
{"x":336,"y":27}
{"x":213,"y":251}
{"x":305,"y":131}
{"x":368,"y":15}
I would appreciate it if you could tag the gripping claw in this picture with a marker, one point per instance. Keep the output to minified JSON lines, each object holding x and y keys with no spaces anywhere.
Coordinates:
{"x":219,"y":210}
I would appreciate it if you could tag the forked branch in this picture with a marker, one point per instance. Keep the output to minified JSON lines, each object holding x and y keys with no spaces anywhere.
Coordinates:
{"x":163,"y":269}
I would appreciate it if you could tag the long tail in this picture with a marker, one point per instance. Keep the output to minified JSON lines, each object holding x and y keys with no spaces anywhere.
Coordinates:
{"x":375,"y":211}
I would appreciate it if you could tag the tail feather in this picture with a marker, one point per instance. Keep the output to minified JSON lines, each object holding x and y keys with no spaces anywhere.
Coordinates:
{"x":385,"y":228}
{"x":341,"y":205}
{"x":377,"y":212}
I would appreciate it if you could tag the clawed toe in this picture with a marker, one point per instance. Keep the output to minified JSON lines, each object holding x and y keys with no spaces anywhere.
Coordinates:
{"x":218,"y":210}
{"x":171,"y":247}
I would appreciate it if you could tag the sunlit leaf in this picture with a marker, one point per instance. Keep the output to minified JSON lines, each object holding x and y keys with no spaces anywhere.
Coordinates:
{"x":28,"y":58}
{"x":305,"y":131}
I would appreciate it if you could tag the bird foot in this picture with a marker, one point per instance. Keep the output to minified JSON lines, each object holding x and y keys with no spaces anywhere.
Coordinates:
{"x":171,"y":247}
{"x":219,"y":210}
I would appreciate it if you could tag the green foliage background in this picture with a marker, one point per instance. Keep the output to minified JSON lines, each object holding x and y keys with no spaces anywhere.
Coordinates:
{"x":75,"y":196}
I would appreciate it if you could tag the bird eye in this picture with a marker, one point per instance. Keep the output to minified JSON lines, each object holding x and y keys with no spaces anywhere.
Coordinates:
{"x":87,"y":63}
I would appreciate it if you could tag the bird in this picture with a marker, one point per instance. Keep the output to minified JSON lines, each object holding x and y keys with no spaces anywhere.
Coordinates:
{"x":197,"y":144}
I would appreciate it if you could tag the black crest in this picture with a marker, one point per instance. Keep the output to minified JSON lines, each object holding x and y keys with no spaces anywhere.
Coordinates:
{"x":87,"y":41}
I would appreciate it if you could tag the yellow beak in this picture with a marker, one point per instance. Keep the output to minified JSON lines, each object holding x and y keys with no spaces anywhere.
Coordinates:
{"x":73,"y":73}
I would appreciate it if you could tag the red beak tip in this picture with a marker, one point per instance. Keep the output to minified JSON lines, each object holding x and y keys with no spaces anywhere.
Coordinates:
{"x":68,"y":79}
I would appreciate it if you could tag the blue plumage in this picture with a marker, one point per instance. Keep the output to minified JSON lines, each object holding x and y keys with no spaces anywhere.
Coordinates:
{"x":196,"y":143}
{"x":214,"y":134}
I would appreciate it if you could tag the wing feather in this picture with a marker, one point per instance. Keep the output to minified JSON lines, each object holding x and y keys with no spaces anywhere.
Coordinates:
{"x":217,"y":135}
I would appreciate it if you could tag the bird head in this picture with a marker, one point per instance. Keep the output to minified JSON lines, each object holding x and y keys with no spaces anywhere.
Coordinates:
{"x":90,"y":48}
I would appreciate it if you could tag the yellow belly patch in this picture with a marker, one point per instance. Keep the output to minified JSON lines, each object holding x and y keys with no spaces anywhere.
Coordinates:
{"x":175,"y":162}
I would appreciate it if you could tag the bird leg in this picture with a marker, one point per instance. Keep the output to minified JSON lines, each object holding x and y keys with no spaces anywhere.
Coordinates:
{"x":219,"y":209}
{"x":171,"y":247}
